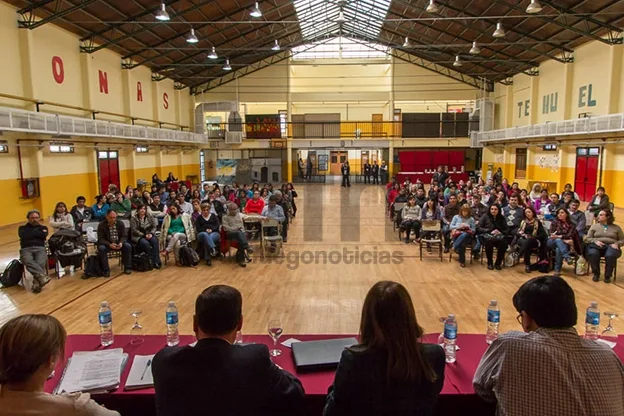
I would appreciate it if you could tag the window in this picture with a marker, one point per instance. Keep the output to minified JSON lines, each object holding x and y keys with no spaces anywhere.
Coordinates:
{"x":107,"y":155}
{"x":283,"y":114}
{"x":550,"y":147}
{"x":202,"y":165}
{"x":341,"y":48}
{"x":61,"y":148}
{"x":4,"y":146}
{"x":521,"y":163}
{"x":142,"y":149}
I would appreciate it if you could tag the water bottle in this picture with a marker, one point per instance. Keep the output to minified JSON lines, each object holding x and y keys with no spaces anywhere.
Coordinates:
{"x":105,"y":317}
{"x":450,"y":336}
{"x":173,"y":337}
{"x":592,"y":321}
{"x":493,"y":320}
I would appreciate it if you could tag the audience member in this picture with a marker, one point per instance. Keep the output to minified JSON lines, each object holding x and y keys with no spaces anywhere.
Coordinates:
{"x":30,"y":347}
{"x":157,"y":209}
{"x":513,"y":214}
{"x":156,"y":181}
{"x":171,"y":178}
{"x":420,"y":197}
{"x":143,"y":234}
{"x":563,"y":237}
{"x":33,"y":253}
{"x":599,"y":201}
{"x":207,"y":227}
{"x":81,"y":213}
{"x":234,"y":228}
{"x":542,"y":202}
{"x":100,"y":208}
{"x":112,"y":236}
{"x":196,"y":209}
{"x":578,"y":218}
{"x":177,"y":230}
{"x":493,"y":230}
{"x":255,"y":205}
{"x":61,"y":219}
{"x":147,"y":198}
{"x":121,"y":206}
{"x":285,"y":204}
{"x":536,"y":193}
{"x":450,"y":211}
{"x":549,"y":369}
{"x":230,"y":379}
{"x":604,"y":239}
{"x":531,"y":235}
{"x":463,"y":228}
{"x":173,"y":199}
{"x":410,"y":219}
{"x":390,"y":372}
{"x":568,"y":188}
{"x":242,"y":199}
{"x":185,"y":207}
{"x":292,"y":195}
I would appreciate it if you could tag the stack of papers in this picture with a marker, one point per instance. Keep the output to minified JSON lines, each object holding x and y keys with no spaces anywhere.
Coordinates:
{"x":140,"y":376}
{"x":92,"y":371}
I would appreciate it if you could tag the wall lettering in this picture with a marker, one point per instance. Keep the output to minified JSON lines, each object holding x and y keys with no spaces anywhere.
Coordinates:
{"x":139,"y":92}
{"x":523,"y":108}
{"x":103,"y":76}
{"x":166,"y":101}
{"x":549,"y":103}
{"x":58,"y":70}
{"x":585,"y":96}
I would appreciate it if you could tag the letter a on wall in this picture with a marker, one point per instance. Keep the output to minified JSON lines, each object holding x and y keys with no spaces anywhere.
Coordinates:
{"x":103,"y":76}
{"x":58,"y":70}
{"x":166,"y":101}
{"x":139,"y":92}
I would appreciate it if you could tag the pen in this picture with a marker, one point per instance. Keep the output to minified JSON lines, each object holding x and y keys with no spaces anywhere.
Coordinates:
{"x":149,"y":362}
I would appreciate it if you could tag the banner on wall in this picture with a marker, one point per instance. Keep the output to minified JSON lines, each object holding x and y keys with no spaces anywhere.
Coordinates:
{"x":263,"y":126}
{"x":226,"y":170}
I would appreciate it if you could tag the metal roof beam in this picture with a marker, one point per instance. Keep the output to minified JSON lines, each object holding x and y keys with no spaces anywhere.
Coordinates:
{"x":31,"y":23}
{"x":590,"y":19}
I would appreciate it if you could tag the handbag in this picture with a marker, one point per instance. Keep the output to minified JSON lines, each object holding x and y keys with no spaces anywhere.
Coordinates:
{"x":493,"y":238}
{"x":582,"y":267}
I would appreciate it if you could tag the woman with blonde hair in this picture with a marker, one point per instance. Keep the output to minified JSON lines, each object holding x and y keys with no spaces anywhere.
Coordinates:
{"x":390,"y":372}
{"x":463,"y":228}
{"x":30,"y":346}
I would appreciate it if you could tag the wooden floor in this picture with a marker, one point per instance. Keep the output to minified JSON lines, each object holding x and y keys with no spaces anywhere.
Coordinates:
{"x":309,"y":298}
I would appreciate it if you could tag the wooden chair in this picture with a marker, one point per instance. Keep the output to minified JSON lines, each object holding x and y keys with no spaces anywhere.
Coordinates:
{"x":398,"y":207}
{"x":267,"y":240}
{"x":431,"y":226}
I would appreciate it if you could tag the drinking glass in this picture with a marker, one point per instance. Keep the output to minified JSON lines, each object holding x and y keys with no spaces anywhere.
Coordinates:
{"x":275,"y":331}
{"x":609,"y":333}
{"x":137,"y":335}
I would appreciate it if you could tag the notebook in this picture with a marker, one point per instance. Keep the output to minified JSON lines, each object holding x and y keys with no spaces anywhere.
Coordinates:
{"x":140,"y":376}
{"x":320,"y":355}
{"x":92,"y":371}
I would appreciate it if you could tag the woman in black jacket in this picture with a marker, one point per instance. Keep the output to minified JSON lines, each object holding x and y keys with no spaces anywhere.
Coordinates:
{"x":531,"y":235}
{"x":390,"y":372}
{"x":493,"y":230}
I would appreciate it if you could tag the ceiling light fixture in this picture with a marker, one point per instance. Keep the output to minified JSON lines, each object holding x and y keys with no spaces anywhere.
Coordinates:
{"x":407,"y":43}
{"x":458,"y":61}
{"x":340,"y":18}
{"x":475,"y":50}
{"x":256,"y":12}
{"x":499,"y":32}
{"x":432,"y":7}
{"x":534,"y":7}
{"x":162,"y":14}
{"x":192,"y":38}
{"x":213,"y":54}
{"x":227,"y":66}
{"x":276,"y":46}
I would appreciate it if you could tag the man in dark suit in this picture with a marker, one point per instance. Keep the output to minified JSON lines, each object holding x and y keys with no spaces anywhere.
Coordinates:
{"x":375,"y":173}
{"x":216,"y":377}
{"x":112,"y":235}
{"x":367,"y":172}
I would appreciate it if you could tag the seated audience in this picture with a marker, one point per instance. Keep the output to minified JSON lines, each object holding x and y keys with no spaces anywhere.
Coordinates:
{"x":30,"y":347}
{"x":205,"y":190}
{"x":450,"y":211}
{"x":100,"y":208}
{"x":121,"y":206}
{"x":232,"y":379}
{"x":529,"y":236}
{"x":515,"y":189}
{"x":112,"y":236}
{"x":477,"y":207}
{"x":171,"y":178}
{"x":173,"y":199}
{"x":207,"y":227}
{"x":604,"y":239}
{"x":33,"y":254}
{"x":524,"y":199}
{"x":81,"y":213}
{"x":184,"y":191}
{"x":566,"y":198}
{"x":283,"y":202}
{"x":463,"y":228}
{"x":156,"y":181}
{"x":157,"y":209}
{"x":555,"y":203}
{"x":501,"y":199}
{"x":164,"y":194}
{"x":599,"y":201}
{"x":177,"y":230}
{"x":492,"y":230}
{"x":420,"y":197}
{"x":513,"y":214}
{"x":196,"y":209}
{"x":549,"y":369}
{"x":147,"y":198}
{"x":234,"y":227}
{"x":410,"y":219}
{"x":185,"y":207}
{"x":578,"y":217}
{"x":563,"y":239}
{"x":390,"y":372}
{"x":143,"y":234}
{"x":129,"y":192}
{"x":542,"y":202}
{"x":61,"y":219}
{"x":255,"y":205}
{"x":568,"y":188}
{"x":196,"y":195}
{"x":264,"y":195}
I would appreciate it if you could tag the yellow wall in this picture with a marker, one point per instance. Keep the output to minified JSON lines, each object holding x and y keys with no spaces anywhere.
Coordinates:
{"x":107,"y":64}
{"x":591,"y":72}
{"x":550,"y":105}
{"x":522,"y":105}
{"x":268,"y":84}
{"x":11,"y":68}
{"x":412,"y":82}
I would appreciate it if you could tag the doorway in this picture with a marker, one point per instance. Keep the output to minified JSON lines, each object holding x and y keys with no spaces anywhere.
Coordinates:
{"x":336,"y":159}
{"x":108,"y":167}
{"x":586,"y":174}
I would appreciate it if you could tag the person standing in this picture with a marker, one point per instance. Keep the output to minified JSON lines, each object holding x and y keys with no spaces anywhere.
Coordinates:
{"x":33,"y":253}
{"x":375,"y":172}
{"x":346,"y":171}
{"x":367,"y":172}
{"x":309,"y":167}
{"x":383,"y":171}
{"x":301,"y":167}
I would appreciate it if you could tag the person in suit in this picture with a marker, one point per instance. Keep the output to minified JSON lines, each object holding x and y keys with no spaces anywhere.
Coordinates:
{"x":375,"y":173}
{"x":112,"y":235}
{"x":390,"y":372}
{"x":217,"y":377}
{"x":345,"y":169}
{"x":367,"y":172}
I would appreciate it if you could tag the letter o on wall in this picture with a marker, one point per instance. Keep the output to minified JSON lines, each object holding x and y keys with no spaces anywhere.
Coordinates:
{"x":58,"y":70}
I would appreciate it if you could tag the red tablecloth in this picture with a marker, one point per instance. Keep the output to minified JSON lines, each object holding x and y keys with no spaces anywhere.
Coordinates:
{"x":458,"y":380}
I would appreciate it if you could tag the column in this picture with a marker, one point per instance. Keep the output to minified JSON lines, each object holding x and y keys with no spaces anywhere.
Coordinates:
{"x":289,"y":169}
{"x":87,"y":91}
{"x":615,"y":71}
{"x":509,"y":107}
{"x":534,"y":99}
{"x":156,"y":101}
{"x":568,"y":95}
{"x":159,"y":164}
{"x":181,"y":164}
{"x":26,"y":56}
{"x":131,"y":163}
{"x":391,"y":159}
{"x":126,"y":88}
{"x":94,"y":172}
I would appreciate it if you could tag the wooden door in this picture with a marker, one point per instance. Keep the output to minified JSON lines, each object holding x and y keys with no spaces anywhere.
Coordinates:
{"x":586,"y":174}
{"x":377,"y":130}
{"x":336,"y":159}
{"x":108,"y":166}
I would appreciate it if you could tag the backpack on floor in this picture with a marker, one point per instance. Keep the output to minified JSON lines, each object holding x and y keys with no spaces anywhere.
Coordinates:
{"x":142,"y":263}
{"x":93,"y":267}
{"x":12,"y":274}
{"x":188,"y":257}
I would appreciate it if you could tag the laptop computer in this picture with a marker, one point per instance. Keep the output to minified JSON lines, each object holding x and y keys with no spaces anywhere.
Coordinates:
{"x":320,"y":355}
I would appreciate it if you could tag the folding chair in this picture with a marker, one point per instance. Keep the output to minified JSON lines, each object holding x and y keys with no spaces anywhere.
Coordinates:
{"x":398,"y":207}
{"x":271,"y":239}
{"x":431,"y":226}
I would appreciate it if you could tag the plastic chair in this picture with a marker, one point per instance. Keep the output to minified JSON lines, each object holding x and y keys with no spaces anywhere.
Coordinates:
{"x":431,"y":226}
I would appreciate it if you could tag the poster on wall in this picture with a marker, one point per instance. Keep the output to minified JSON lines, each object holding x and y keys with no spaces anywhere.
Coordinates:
{"x":322,"y":162}
{"x":263,"y":126}
{"x":226,"y":170}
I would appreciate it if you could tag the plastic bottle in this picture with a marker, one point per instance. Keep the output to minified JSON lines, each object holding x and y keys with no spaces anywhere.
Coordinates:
{"x":173,"y":337}
{"x":450,"y":337}
{"x":592,"y":321}
{"x":493,"y":320}
{"x":105,"y":318}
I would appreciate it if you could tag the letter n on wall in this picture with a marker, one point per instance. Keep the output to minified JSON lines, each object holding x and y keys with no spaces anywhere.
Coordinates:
{"x":139,"y":92}
{"x":103,"y":76}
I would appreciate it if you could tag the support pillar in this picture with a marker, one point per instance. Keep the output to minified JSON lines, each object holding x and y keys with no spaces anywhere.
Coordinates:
{"x":615,"y":71}
{"x":391,"y":160}
{"x":26,"y":45}
{"x":509,"y":107}
{"x":534,"y":99}
{"x":289,"y":168}
{"x":567,"y":96}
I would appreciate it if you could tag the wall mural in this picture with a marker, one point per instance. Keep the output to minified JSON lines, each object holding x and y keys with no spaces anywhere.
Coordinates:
{"x":548,"y":162}
{"x":226,"y":170}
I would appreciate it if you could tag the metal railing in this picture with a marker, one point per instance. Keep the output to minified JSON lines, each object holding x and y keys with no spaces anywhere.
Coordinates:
{"x":35,"y":122}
